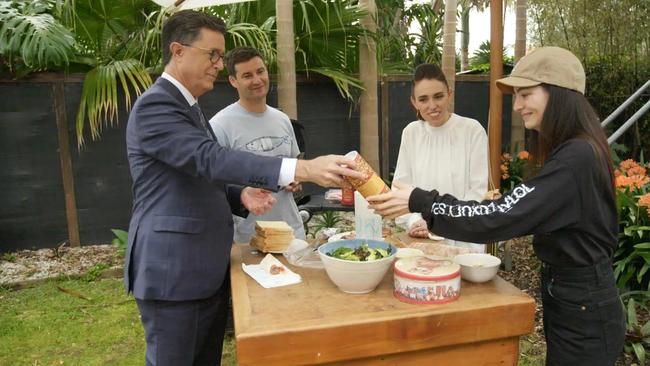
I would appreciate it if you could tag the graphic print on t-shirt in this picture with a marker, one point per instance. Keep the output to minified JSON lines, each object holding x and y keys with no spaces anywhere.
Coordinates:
{"x":267,"y":143}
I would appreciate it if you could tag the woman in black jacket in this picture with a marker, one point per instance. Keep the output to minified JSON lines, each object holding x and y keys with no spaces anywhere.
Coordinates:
{"x":569,"y":206}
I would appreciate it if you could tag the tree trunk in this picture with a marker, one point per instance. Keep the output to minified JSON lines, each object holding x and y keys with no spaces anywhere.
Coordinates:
{"x":286,"y":58}
{"x":464,"y":39}
{"x":449,"y":47}
{"x":368,"y":74}
{"x":520,"y":32}
{"x":517,"y":131}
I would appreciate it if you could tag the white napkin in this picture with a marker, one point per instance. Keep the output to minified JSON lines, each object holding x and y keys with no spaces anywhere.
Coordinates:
{"x":262,"y":273}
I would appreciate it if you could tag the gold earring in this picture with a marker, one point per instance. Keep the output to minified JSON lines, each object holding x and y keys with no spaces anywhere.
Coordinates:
{"x":418,"y":115}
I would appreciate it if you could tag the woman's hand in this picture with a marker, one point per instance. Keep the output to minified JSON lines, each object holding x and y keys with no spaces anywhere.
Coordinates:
{"x":392,"y":204}
{"x":419,"y":229}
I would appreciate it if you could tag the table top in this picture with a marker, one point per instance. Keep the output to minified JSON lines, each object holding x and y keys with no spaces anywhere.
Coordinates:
{"x":314,"y":322}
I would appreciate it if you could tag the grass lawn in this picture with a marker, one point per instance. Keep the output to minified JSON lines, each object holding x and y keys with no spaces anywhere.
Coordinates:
{"x":94,"y":323}
{"x":43,"y":325}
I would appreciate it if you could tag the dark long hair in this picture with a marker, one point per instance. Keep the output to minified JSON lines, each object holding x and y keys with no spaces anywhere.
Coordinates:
{"x":568,"y":115}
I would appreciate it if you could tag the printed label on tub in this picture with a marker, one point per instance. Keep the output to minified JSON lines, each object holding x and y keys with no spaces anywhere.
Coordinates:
{"x":419,"y":292}
{"x":422,"y":280}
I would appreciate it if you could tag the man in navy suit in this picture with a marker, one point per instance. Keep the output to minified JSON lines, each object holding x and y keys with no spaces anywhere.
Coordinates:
{"x":185,"y":187}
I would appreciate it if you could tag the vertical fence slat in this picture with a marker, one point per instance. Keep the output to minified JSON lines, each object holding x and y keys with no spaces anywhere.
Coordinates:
{"x":66,"y":164}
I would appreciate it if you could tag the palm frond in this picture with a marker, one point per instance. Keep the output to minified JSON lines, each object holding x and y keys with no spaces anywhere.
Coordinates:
{"x":99,"y":96}
{"x":345,"y":83}
{"x":247,"y":34}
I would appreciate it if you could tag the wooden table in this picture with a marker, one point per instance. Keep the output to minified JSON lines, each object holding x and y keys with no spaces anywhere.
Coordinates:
{"x":315,"y":323}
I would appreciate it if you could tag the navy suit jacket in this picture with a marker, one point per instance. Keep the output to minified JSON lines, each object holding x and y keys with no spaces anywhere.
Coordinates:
{"x":181,"y":227}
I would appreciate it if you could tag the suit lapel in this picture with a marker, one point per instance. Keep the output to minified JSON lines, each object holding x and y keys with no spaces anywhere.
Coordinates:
{"x":176,"y":94}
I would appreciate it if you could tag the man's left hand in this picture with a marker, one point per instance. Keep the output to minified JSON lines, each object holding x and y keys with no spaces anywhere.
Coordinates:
{"x":257,"y":201}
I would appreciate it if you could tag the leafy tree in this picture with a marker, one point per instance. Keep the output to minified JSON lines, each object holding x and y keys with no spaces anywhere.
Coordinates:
{"x":612,"y":39}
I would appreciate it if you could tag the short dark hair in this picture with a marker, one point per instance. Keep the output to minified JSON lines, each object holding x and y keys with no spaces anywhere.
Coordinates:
{"x":238,"y":55}
{"x":185,"y":27}
{"x":429,"y":72}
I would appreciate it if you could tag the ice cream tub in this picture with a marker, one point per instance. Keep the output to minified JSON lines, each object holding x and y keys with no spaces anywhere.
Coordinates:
{"x":426,"y":280}
{"x":371,"y":183}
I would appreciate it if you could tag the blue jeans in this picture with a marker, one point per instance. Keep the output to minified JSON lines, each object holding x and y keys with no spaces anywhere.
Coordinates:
{"x":584,"y":322}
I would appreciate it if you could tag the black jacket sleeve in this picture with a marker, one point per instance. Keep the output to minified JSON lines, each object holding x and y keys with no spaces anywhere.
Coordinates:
{"x":546,"y":203}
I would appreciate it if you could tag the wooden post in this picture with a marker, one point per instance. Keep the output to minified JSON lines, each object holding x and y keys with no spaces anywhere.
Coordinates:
{"x":496,"y":97}
{"x":385,"y":132}
{"x":369,"y":119}
{"x":66,"y":164}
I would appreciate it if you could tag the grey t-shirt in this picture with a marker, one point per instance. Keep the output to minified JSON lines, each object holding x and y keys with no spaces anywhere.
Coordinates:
{"x":269,"y":134}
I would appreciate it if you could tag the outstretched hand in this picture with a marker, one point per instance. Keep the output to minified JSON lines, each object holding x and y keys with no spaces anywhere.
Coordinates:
{"x":257,"y":201}
{"x":419,"y":229}
{"x":392,"y":204}
{"x":327,"y":170}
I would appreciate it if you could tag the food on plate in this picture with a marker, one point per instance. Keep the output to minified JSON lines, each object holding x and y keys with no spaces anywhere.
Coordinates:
{"x":362,"y":253}
{"x":275,"y":269}
{"x":385,"y":232}
{"x":441,"y":250}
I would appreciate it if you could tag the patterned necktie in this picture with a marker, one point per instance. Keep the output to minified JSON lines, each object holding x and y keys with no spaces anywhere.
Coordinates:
{"x":204,"y":123}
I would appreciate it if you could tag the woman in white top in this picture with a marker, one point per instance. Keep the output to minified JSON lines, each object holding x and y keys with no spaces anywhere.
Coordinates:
{"x":441,"y":150}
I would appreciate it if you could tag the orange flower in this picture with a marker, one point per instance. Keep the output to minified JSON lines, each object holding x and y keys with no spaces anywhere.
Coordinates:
{"x":628,"y":164}
{"x":523,"y":155}
{"x":506,"y":157}
{"x":617,"y":173}
{"x":636,"y":170}
{"x":633,"y":182}
{"x":623,"y":181}
{"x":644,"y":201}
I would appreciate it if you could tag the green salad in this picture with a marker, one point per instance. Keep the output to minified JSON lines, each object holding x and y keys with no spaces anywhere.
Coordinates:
{"x":362,"y":253}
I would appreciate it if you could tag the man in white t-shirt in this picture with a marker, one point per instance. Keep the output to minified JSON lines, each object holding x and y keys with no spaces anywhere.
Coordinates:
{"x":251,"y":125}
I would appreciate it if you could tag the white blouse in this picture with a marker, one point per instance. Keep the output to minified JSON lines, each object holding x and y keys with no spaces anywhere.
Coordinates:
{"x":452,"y":158}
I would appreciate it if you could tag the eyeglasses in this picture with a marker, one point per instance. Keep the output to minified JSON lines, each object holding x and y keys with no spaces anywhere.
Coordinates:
{"x":214,"y":55}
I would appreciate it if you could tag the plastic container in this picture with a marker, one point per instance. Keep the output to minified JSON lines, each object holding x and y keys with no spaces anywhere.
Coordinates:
{"x":424,"y":280}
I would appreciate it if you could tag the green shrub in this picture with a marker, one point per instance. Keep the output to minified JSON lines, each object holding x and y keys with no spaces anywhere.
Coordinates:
{"x":121,"y":239}
{"x":637,"y":337}
{"x":632,"y":257}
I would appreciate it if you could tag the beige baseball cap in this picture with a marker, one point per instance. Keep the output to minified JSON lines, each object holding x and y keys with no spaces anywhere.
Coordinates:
{"x":548,"y":65}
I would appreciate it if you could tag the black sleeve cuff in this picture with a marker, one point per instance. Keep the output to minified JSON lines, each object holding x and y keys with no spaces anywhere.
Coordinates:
{"x":233,"y":193}
{"x":421,"y":201}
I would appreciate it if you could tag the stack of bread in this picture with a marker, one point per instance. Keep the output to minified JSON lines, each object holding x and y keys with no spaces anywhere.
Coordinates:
{"x":272,"y":236}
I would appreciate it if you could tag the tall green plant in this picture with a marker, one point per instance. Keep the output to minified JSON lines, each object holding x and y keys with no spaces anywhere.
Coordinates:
{"x":31,"y":38}
{"x":632,"y":257}
{"x":398,"y":49}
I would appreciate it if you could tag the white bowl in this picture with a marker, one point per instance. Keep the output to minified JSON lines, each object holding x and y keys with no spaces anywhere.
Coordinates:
{"x":477,"y":267}
{"x":356,"y":277}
